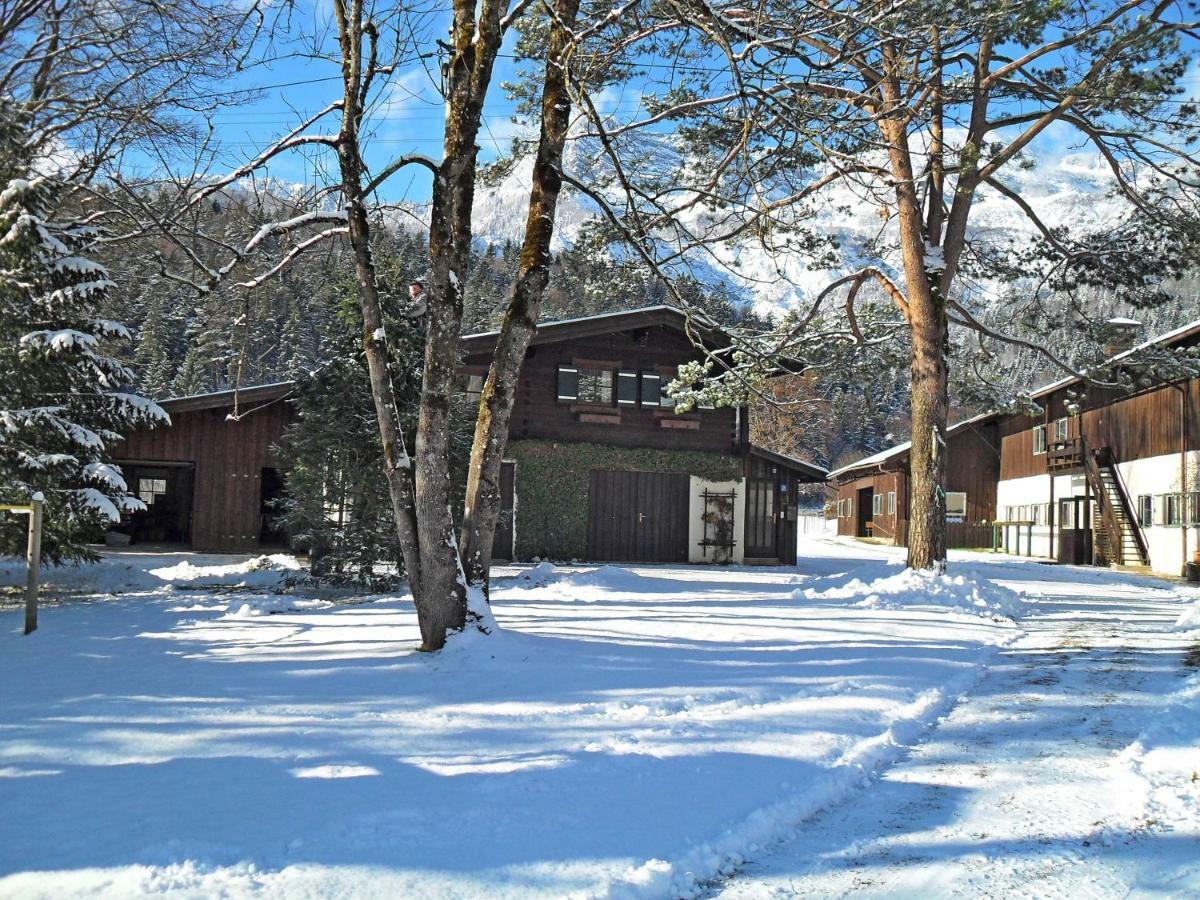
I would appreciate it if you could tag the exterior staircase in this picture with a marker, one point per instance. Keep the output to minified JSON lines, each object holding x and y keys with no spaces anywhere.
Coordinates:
{"x":1116,"y":528}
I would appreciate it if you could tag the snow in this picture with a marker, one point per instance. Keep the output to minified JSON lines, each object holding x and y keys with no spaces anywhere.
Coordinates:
{"x":182,"y":724}
{"x":909,"y":588}
{"x":1189,"y":619}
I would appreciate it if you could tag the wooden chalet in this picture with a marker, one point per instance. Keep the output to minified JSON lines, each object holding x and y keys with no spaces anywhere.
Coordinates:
{"x":1109,"y":475}
{"x":600,"y":465}
{"x":1100,"y":476}
{"x":872,"y":495}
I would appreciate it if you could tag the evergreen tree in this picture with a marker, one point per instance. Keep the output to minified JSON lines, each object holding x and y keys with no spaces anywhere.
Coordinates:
{"x":63,"y":399}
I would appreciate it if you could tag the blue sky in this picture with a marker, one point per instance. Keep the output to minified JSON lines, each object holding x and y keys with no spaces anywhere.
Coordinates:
{"x":408,"y":114}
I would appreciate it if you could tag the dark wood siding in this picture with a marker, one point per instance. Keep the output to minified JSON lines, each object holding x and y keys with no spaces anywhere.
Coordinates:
{"x":1136,"y":427}
{"x":538,"y":415}
{"x":972,"y":466}
{"x":229,"y":457}
{"x":637,"y":517}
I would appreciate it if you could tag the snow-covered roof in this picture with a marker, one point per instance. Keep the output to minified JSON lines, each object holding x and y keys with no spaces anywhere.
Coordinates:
{"x":661,"y":307}
{"x":1176,"y":334}
{"x":891,"y":452}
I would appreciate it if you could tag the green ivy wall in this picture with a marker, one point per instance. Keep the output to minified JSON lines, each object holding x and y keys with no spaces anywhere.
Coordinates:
{"x":552,"y":488}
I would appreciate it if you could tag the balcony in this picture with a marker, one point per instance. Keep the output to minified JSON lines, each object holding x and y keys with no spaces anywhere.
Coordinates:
{"x":1063,"y":455}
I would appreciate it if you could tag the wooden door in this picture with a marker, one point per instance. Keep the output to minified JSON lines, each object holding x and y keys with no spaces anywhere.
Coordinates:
{"x":761,"y":537}
{"x":502,"y":544}
{"x":1074,"y":531}
{"x":637,"y":517}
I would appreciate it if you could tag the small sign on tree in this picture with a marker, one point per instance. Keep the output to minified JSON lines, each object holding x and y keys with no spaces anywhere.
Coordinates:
{"x":33,"y":556}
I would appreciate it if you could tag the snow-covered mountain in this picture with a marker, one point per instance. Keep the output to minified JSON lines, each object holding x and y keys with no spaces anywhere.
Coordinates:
{"x":1074,"y":188}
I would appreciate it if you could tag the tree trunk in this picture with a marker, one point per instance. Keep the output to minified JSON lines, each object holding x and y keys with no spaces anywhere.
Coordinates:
{"x":483,"y":497}
{"x":930,"y":383}
{"x":397,"y":465}
{"x":443,"y":598}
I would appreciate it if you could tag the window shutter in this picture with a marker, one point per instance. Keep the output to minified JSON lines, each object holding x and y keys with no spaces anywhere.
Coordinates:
{"x":568,"y":384}
{"x":627,"y":388}
{"x":651,"y":389}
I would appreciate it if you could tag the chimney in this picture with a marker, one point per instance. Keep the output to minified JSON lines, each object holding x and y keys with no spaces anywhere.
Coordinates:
{"x":1121,"y":335}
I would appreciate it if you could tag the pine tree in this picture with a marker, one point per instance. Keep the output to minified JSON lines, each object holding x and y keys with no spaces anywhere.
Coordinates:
{"x":63,"y":399}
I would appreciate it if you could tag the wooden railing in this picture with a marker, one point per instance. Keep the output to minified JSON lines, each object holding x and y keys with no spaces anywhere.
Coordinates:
{"x":1114,"y":536}
{"x":1065,"y":455}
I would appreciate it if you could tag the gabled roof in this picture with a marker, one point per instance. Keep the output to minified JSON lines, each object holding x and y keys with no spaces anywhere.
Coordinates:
{"x":606,"y":323}
{"x":877,"y":459}
{"x":1174,"y":336}
{"x":547,"y":332}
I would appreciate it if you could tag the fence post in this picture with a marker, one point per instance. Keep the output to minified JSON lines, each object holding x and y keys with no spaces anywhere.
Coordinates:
{"x":33,"y":561}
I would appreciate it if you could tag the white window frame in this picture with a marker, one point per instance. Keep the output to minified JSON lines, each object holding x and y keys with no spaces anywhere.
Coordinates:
{"x":877,"y":505}
{"x":1062,"y":429}
{"x":1145,"y":510}
{"x":151,"y":488}
{"x":891,"y":507}
{"x":950,"y":509}
{"x":1039,"y":440}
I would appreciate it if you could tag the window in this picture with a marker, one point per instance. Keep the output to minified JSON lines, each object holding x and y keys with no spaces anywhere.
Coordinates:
{"x":845,"y":508}
{"x":150,"y":489}
{"x":1060,"y":429}
{"x":956,"y":504}
{"x":1177,"y":509}
{"x":651,"y":388}
{"x":1039,"y":439}
{"x":1172,"y":509}
{"x":472,"y":388}
{"x":627,"y":388}
{"x":579,"y":385}
{"x":891,"y":503}
{"x":877,"y":505}
{"x":1066,"y":514}
{"x":665,"y":400}
{"x":1145,"y":510}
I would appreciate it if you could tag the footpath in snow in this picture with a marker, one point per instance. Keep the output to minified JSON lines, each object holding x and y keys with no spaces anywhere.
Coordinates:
{"x":1071,"y":771}
{"x":180,"y":725}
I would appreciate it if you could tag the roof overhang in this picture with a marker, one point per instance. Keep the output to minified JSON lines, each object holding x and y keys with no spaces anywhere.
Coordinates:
{"x":263,"y":393}
{"x":608,"y":323}
{"x":807,"y":470}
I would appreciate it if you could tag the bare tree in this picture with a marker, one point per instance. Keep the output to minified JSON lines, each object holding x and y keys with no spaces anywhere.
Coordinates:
{"x":372,"y":46}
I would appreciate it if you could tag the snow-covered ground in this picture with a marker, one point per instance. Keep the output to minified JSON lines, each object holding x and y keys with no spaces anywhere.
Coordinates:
{"x":630,"y":732}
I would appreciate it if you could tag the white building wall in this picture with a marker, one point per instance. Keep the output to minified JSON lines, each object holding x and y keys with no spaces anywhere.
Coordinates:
{"x":1025,"y":492}
{"x":1155,"y":476}
{"x":696,"y":553}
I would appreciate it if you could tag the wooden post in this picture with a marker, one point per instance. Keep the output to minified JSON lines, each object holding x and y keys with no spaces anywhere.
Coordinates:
{"x":33,"y":555}
{"x":33,"y":560}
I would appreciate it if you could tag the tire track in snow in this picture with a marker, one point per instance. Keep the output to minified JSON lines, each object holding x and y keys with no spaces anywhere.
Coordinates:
{"x":1018,"y":790}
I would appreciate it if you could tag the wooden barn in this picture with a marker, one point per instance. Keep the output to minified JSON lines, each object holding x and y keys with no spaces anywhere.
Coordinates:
{"x":872,"y":495}
{"x":208,"y":478}
{"x":600,"y":465}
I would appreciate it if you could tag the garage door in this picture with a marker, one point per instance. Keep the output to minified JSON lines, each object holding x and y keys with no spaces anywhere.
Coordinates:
{"x":637,"y":517}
